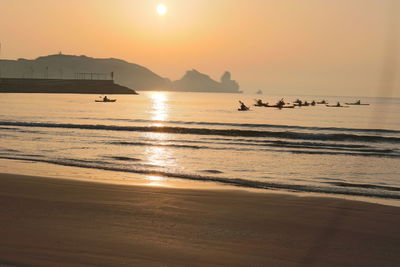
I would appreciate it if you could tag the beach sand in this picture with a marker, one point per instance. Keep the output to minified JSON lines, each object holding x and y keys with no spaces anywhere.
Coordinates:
{"x":50,"y":221}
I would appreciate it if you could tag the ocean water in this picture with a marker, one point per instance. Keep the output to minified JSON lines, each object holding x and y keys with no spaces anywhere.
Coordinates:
{"x":202,"y":137}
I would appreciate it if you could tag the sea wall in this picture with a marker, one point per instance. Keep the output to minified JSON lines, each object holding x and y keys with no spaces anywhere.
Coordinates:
{"x":66,"y":86}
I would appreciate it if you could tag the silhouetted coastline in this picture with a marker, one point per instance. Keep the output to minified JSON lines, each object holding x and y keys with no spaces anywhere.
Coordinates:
{"x":137,"y":77}
{"x":22,"y":85}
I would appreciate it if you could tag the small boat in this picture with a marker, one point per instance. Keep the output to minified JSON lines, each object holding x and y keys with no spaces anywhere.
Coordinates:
{"x":305,"y":104}
{"x":290,"y":106}
{"x":106,"y":101}
{"x":299,"y":103}
{"x":280,"y":106}
{"x":243,"y":107}
{"x":272,"y":106}
{"x":357,"y":103}
{"x":336,"y":106}
{"x":323,"y":102}
{"x":259,"y":103}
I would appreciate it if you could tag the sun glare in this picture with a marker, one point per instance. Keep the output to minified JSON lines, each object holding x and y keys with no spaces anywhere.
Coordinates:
{"x":159,"y":109}
{"x":162,"y":9}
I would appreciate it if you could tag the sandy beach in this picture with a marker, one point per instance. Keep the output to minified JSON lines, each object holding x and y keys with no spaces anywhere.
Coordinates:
{"x":49,"y":221}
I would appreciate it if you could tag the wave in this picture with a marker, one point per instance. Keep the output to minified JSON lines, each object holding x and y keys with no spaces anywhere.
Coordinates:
{"x":309,"y":145}
{"x":279,"y":142}
{"x":254,"y":125}
{"x":298,"y":148}
{"x":212,"y":171}
{"x":219,"y":132}
{"x":341,"y":188}
{"x":158,"y":145}
{"x":121,"y":158}
{"x":369,"y":186}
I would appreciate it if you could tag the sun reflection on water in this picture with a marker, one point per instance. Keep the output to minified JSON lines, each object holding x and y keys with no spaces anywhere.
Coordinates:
{"x":155,"y":178}
{"x":159,"y":107}
{"x":156,"y":181}
{"x":160,"y":157}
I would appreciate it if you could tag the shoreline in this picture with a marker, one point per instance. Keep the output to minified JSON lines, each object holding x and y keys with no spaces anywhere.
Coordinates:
{"x":36,"y":168}
{"x":46,"y":221}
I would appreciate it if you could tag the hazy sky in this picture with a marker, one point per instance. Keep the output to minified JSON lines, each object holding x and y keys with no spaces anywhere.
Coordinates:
{"x":335,"y":47}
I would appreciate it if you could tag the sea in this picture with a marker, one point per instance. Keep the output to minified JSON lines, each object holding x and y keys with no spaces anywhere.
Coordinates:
{"x":159,"y":138}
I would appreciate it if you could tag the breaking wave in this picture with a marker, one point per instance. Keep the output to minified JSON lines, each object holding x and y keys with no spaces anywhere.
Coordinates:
{"x":337,"y":188}
{"x":347,"y":137}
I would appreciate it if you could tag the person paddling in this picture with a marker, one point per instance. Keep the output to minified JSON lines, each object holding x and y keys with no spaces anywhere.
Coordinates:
{"x":243,"y":106}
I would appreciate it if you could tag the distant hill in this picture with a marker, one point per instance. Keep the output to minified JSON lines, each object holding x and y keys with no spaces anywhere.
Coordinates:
{"x":127,"y":74}
{"x":65,"y":66}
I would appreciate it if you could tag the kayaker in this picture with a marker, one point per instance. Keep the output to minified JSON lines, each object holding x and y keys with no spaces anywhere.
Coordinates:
{"x":243,"y":106}
{"x":105,"y":98}
{"x":280,"y":103}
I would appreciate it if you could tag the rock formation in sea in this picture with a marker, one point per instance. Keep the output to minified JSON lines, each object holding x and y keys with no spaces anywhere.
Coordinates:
{"x":194,"y":81}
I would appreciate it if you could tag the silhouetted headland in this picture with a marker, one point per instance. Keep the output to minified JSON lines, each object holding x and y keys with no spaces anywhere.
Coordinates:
{"x":72,"y":86}
{"x":60,"y":66}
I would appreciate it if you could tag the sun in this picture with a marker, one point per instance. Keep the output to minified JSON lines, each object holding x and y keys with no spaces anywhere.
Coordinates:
{"x":162,"y":9}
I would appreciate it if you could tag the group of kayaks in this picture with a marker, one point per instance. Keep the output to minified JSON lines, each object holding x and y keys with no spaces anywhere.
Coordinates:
{"x":280,"y":104}
{"x":298,"y":103}
{"x":338,"y":105}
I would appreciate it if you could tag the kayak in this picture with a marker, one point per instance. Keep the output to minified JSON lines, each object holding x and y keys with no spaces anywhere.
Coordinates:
{"x":356,"y":104}
{"x":335,"y":106}
{"x":110,"y":100}
{"x":302,"y":105}
{"x":245,"y":109}
{"x":276,"y":106}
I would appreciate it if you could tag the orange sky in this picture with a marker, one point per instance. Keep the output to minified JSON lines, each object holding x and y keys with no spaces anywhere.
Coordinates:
{"x":334,"y":47}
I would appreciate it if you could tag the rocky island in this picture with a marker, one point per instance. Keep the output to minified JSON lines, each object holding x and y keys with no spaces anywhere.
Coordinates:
{"x":194,"y":81}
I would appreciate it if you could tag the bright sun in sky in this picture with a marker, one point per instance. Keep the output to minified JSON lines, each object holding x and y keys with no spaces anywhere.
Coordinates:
{"x":162,"y":9}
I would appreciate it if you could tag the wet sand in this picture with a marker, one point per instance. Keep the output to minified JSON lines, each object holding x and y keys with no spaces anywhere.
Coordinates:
{"x":50,"y":221}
